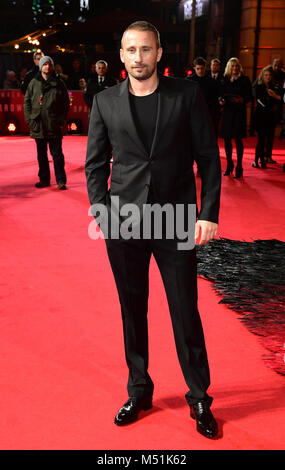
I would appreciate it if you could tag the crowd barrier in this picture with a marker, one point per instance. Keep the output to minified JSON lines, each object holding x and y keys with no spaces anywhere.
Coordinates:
{"x":12,"y":119}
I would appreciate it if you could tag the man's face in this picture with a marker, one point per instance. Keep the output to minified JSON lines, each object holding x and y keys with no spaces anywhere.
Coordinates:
{"x":200,"y":70}
{"x":93,"y":68}
{"x":76,"y":65}
{"x":101,"y":69}
{"x":277,"y":65}
{"x":140,"y":54}
{"x":215,"y":67}
{"x":11,"y":75}
{"x":37,"y":59}
{"x":47,"y":69}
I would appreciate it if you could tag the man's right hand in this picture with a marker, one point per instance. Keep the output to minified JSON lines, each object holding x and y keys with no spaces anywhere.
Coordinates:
{"x":205,"y":231}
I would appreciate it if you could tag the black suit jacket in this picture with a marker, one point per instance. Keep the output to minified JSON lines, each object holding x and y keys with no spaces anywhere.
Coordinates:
{"x":211,"y":91}
{"x":93,"y":87}
{"x":28,"y":77}
{"x":183,"y":132}
{"x":219,"y":77}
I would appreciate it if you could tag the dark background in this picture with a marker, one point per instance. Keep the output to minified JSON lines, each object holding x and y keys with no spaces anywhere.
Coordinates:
{"x":95,"y":33}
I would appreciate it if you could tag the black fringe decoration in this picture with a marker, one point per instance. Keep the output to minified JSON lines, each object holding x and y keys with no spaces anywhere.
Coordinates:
{"x":250,"y":276}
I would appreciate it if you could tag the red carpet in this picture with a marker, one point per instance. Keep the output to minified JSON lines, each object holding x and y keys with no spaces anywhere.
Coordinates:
{"x":62,"y":368}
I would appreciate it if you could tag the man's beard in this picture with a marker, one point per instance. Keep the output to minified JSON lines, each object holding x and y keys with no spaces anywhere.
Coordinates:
{"x":145,"y":74}
{"x":46,"y":75}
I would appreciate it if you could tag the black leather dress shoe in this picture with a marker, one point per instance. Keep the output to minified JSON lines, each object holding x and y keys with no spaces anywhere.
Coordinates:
{"x":42,"y":184}
{"x":61,"y":185}
{"x":130,"y":410}
{"x":206,"y":423}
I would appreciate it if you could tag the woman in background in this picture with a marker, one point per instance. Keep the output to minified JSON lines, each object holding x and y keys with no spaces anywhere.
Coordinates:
{"x":268,"y":95}
{"x":235,"y":93}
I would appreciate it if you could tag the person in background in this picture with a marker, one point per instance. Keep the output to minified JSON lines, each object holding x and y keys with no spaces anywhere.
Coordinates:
{"x":22,"y":73}
{"x":75,"y":76}
{"x":11,"y":82}
{"x":268,"y":95}
{"x":282,"y":133}
{"x":278,"y":71}
{"x":31,"y":73}
{"x":236,"y":92}
{"x":209,"y":88}
{"x":279,"y":77}
{"x":98,"y":81}
{"x":215,"y":69}
{"x":46,"y":106}
{"x":59,"y":70}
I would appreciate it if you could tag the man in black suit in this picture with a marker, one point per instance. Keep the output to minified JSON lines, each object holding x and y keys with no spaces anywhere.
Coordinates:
{"x":31,"y":73}
{"x":210,"y":89}
{"x":98,"y":81}
{"x":155,"y":126}
{"x":215,"y":69}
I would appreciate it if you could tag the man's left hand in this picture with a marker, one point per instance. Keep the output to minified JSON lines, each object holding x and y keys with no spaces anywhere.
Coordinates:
{"x":205,"y":231}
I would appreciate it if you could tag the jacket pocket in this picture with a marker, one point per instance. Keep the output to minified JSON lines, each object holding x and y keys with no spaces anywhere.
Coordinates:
{"x":53,"y":123}
{"x":34,"y":125}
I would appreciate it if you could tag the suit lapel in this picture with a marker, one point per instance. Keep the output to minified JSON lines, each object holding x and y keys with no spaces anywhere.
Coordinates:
{"x":125,"y":115}
{"x":165,"y":108}
{"x":166,"y":102}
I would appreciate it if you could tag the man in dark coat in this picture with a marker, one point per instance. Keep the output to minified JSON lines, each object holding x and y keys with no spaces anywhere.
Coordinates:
{"x":31,"y":73}
{"x":215,"y":69}
{"x":279,"y":77}
{"x":46,"y":106}
{"x":209,"y":87}
{"x":236,"y":92}
{"x":278,"y":72}
{"x":76,"y":76}
{"x":98,"y":81}
{"x":155,"y":125}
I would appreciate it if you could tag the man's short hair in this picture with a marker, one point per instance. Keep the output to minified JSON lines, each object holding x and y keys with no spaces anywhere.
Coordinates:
{"x":277,"y":59}
{"x":101,"y":62}
{"x":144,"y":26}
{"x":199,"y":61}
{"x":38,"y":53}
{"x":216,"y":60}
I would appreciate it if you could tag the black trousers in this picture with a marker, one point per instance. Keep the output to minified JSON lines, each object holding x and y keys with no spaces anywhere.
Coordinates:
{"x":130,"y":264}
{"x":265,"y":142}
{"x":55,"y":147}
{"x":229,"y":150}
